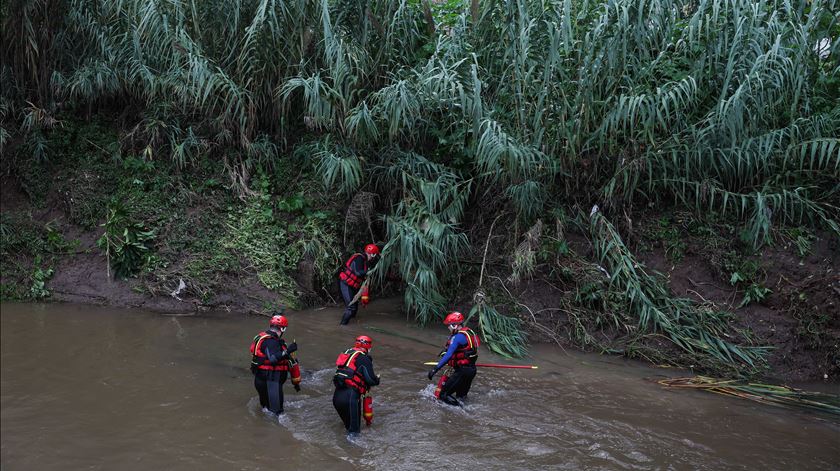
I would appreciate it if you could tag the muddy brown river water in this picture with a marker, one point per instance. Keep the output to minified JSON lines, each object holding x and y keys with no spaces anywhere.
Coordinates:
{"x":114,"y":389}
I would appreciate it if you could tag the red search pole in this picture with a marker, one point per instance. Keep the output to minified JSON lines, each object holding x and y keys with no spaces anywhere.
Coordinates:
{"x":494,"y":365}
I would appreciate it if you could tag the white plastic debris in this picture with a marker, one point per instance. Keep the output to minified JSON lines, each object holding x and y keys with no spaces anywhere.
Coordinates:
{"x":181,"y":287}
{"x":823,"y":48}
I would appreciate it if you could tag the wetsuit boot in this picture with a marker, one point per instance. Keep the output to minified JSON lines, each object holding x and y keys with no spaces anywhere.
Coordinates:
{"x":447,"y":398}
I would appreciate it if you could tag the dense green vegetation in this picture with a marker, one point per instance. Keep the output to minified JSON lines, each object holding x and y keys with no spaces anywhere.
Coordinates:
{"x":24,"y":239}
{"x":298,"y":122}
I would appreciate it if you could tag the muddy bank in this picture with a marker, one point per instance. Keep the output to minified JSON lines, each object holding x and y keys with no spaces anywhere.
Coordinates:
{"x":81,"y":274}
{"x":799,"y":318}
{"x":84,"y":278}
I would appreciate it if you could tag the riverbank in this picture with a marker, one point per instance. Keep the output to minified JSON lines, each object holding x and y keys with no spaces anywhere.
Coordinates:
{"x":79,"y":272}
{"x":794,"y":282}
{"x":94,"y":224}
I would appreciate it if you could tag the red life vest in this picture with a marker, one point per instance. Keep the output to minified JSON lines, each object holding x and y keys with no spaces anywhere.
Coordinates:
{"x":347,"y":274}
{"x":465,"y":354}
{"x":346,"y":373}
{"x":260,"y":360}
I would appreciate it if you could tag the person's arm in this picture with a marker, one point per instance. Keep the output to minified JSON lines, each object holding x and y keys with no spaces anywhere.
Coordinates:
{"x":458,"y":341}
{"x":359,"y":266}
{"x":364,"y":366}
{"x":274,"y":350}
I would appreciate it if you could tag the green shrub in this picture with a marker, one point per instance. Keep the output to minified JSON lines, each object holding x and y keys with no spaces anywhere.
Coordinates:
{"x":124,"y":242}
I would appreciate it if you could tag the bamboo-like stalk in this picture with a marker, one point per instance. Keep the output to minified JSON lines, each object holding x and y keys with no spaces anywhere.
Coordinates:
{"x":764,"y":393}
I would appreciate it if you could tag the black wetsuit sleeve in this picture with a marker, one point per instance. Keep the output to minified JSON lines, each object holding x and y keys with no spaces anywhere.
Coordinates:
{"x":359,"y":266}
{"x":274,"y":350}
{"x":364,"y":366}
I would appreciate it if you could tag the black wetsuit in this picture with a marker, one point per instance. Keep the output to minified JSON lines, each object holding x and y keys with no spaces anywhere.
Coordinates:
{"x":359,"y":268}
{"x":459,"y":383}
{"x":348,"y":401}
{"x":269,"y":383}
{"x":461,"y":378}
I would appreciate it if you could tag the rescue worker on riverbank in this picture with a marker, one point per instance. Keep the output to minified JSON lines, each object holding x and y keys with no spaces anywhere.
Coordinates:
{"x":354,"y":376}
{"x":460,"y":354}
{"x":351,"y":278}
{"x":272,"y":362}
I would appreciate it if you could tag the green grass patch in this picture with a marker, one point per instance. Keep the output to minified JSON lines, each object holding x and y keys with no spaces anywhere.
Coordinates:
{"x":28,"y":252}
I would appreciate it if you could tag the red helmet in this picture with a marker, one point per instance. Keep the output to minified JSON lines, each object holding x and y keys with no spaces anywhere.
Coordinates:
{"x":278,"y":321}
{"x":363,"y":341}
{"x":454,"y":318}
{"x":371,"y":249}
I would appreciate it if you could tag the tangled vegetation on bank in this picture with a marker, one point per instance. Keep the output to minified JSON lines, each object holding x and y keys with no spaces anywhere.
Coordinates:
{"x":306,"y":118}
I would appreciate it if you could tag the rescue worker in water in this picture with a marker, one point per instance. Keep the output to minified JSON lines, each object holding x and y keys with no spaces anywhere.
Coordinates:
{"x":354,"y":376}
{"x":351,"y":278}
{"x":460,"y":354}
{"x":271,"y":363}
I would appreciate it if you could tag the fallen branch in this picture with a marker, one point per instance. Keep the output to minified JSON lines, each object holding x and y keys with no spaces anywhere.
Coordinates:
{"x":764,"y":393}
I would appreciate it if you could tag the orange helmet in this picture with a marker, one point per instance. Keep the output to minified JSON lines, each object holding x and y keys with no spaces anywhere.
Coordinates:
{"x":454,"y":318}
{"x":371,"y":249}
{"x":363,"y":341}
{"x":278,"y":321}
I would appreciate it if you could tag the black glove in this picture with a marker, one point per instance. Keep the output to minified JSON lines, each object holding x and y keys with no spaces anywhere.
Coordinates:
{"x":291,"y":348}
{"x":432,"y":373}
{"x":297,"y":387}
